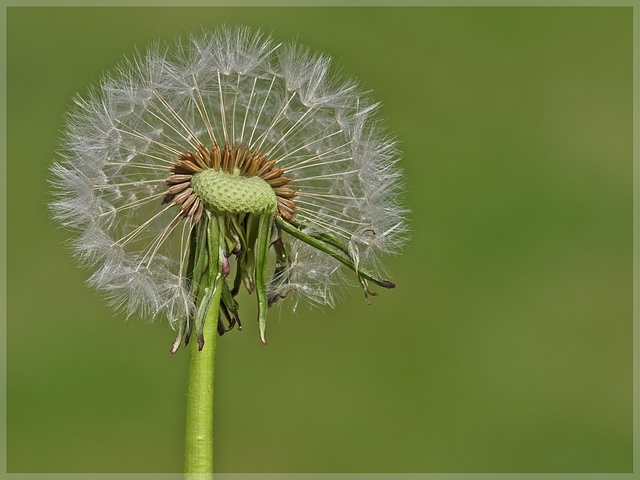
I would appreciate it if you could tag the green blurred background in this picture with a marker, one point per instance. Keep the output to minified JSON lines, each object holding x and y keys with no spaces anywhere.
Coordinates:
{"x":507,"y":346}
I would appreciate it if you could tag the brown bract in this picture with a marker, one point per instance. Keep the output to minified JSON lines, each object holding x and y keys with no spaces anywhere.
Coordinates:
{"x":230,"y":159}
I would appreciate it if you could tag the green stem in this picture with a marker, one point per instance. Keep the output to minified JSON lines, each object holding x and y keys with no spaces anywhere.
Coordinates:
{"x":317,"y":243}
{"x":198,"y":457}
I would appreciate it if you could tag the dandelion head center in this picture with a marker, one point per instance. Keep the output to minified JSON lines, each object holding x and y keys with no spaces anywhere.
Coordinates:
{"x":233,"y":193}
{"x":228,"y":180}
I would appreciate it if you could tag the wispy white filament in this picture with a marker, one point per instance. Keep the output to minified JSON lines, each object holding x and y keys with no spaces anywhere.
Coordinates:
{"x":230,"y":86}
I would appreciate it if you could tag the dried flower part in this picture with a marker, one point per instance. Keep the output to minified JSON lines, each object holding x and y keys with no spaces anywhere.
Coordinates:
{"x":186,"y":168}
{"x":231,"y":161}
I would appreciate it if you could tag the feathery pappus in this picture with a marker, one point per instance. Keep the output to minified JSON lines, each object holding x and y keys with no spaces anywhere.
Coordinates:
{"x":192,"y":163}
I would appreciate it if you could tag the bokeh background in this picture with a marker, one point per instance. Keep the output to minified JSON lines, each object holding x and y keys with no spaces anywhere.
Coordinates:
{"x":507,"y":346}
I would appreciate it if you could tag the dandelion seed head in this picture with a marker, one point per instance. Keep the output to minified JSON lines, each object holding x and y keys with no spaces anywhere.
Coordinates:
{"x":226,"y":125}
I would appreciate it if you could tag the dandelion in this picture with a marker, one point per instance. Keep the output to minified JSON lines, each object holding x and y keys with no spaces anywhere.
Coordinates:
{"x":188,"y":165}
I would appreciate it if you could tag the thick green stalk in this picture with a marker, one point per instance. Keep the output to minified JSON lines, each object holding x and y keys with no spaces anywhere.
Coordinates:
{"x":198,"y":457}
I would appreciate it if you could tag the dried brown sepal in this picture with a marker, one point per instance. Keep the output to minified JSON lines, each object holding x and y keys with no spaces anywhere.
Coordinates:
{"x":266,"y":167}
{"x":179,"y":178}
{"x":284,"y":192}
{"x":241,"y":159}
{"x":272,"y":174}
{"x":188,"y":202}
{"x":227,"y":154}
{"x":286,"y":208}
{"x":254,"y":163}
{"x":285,"y":202}
{"x":205,"y":156}
{"x":186,"y":167}
{"x":198,"y":213}
{"x":182,"y":196}
{"x":195,"y":158}
{"x":278,"y":182}
{"x":260,"y":161}
{"x":193,"y":209}
{"x":215,"y":156}
{"x":177,"y":188}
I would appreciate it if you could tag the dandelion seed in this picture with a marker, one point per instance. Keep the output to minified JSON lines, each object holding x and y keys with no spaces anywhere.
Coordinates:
{"x":186,"y":167}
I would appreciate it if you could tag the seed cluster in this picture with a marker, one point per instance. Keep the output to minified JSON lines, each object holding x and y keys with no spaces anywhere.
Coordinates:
{"x":232,"y":160}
